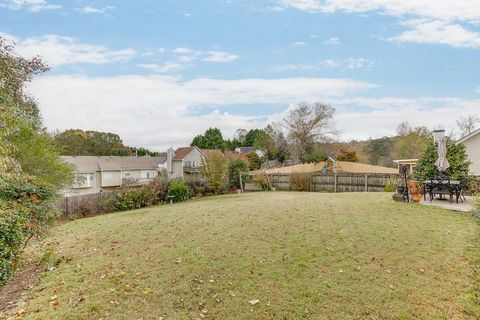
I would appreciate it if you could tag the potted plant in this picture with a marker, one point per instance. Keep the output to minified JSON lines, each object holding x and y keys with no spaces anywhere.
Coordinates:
{"x":415,"y":191}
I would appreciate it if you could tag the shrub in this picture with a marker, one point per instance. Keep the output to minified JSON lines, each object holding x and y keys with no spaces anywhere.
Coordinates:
{"x":254,"y":161}
{"x":129,"y":198}
{"x":215,"y":171}
{"x":391,"y":185}
{"x":179,"y":190}
{"x":300,"y":181}
{"x":196,"y":185}
{"x":315,"y":156}
{"x":262,"y":182}
{"x":237,"y":166}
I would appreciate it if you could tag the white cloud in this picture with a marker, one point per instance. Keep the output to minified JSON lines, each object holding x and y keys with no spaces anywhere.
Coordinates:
{"x":464,"y":10}
{"x":332,"y":41}
{"x":300,"y":44}
{"x":330,"y":63}
{"x":442,"y":21}
{"x":439,"y":32}
{"x":156,"y":111}
{"x":30,"y":5}
{"x":357,"y":63}
{"x":220,"y":56}
{"x":89,"y":9}
{"x":183,"y":50}
{"x":169,"y":66}
{"x":57,"y":50}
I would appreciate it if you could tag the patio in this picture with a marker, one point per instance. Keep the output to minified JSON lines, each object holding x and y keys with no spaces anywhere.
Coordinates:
{"x":465,"y":206}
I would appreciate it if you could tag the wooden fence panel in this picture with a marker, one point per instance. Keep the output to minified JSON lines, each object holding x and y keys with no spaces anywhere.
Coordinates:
{"x":84,"y":205}
{"x":340,"y":182}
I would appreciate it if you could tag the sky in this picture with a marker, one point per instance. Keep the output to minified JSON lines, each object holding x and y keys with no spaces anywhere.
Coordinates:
{"x":160,"y":72}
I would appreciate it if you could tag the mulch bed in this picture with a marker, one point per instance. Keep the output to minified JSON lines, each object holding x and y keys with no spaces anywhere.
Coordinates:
{"x":24,"y":279}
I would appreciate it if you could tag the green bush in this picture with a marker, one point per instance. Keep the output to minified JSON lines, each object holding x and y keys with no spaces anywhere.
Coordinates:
{"x":300,"y":181}
{"x":179,"y":191}
{"x":215,"y":172}
{"x":129,"y":198}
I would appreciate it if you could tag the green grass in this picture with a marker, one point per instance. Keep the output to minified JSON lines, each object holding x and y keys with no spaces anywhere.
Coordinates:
{"x":302,"y":255}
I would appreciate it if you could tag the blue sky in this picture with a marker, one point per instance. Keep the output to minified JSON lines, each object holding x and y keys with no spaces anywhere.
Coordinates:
{"x":159,"y":72}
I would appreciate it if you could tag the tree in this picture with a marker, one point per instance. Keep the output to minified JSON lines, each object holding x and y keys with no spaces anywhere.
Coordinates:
{"x":379,"y":151}
{"x":240,"y":135}
{"x":237,"y":166}
{"x":253,"y":137}
{"x":347,"y":155}
{"x":308,"y":123}
{"x":211,"y":139}
{"x":77,"y":142}
{"x":254,"y":161}
{"x":27,"y":188}
{"x":315,"y":156}
{"x":467,"y":124}
{"x":215,"y":171}
{"x":411,"y":143}
{"x":273,"y":143}
{"x":456,"y":156}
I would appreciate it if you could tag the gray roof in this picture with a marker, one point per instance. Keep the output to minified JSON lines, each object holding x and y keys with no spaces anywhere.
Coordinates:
{"x":90,"y":164}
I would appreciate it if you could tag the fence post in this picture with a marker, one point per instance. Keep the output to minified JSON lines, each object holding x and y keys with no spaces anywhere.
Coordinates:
{"x":311,"y":183}
{"x":366,"y":182}
{"x":335,"y":183}
{"x":241,"y":184}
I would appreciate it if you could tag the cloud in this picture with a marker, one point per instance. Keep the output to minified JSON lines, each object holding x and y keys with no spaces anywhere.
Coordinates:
{"x":439,"y":32}
{"x":169,"y":66}
{"x":300,"y":44}
{"x":462,"y":10}
{"x":30,"y":5}
{"x":220,"y":56}
{"x":439,"y":21}
{"x":332,"y":41}
{"x":357,"y":63}
{"x":156,"y":111}
{"x":183,"y":50}
{"x":89,"y":9}
{"x":57,"y":50}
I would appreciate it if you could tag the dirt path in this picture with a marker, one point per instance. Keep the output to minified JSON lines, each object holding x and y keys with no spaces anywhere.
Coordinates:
{"x":12,"y":291}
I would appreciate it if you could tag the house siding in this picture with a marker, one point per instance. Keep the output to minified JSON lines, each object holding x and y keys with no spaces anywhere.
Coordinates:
{"x":472,"y":146}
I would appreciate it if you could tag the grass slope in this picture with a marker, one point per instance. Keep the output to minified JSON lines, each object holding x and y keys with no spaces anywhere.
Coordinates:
{"x":302,"y":255}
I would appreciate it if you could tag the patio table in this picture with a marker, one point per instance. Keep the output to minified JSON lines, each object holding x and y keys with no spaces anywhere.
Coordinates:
{"x":441,"y":187}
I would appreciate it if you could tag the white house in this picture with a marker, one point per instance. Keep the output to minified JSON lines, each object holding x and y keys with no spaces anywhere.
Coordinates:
{"x":472,"y":146}
{"x":95,"y":174}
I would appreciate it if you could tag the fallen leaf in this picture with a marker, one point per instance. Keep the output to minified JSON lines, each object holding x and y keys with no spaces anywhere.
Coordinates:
{"x":254,"y":302}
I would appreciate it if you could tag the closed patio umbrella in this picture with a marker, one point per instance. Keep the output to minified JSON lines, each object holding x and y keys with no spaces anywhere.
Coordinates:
{"x":442,"y":162}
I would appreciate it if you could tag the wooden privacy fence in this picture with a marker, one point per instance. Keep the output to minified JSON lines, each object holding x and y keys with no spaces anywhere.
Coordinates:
{"x":340,"y":182}
{"x":84,"y":205}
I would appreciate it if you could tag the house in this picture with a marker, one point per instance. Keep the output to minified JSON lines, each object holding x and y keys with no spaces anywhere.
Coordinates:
{"x":185,"y":161}
{"x":410,"y":163}
{"x":472,"y":146}
{"x":96,"y":174}
{"x":246,"y":150}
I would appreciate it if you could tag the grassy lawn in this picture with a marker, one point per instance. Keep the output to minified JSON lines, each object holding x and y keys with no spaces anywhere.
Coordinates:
{"x":302,"y":255}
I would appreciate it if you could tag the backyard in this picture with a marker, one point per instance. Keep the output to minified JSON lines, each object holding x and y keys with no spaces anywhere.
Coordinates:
{"x":269,"y":255}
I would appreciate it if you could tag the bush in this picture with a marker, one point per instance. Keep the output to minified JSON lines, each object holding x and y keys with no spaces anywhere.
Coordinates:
{"x":262,"y":182}
{"x":215,"y":172}
{"x":237,"y":166}
{"x":129,"y":198}
{"x":179,"y":190}
{"x":300,"y":181}
{"x":391,"y":185}
{"x":26,"y":210}
{"x":196,"y":185}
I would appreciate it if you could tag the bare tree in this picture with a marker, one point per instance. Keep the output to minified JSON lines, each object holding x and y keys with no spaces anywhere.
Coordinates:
{"x":308,"y":123}
{"x":467,"y":124}
{"x":240,"y":135}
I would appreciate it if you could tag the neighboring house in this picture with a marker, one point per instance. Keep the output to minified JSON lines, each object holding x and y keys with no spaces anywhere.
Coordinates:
{"x":246,"y":150}
{"x":96,"y":174}
{"x":185,"y":161}
{"x":411,"y":163}
{"x":472,"y":146}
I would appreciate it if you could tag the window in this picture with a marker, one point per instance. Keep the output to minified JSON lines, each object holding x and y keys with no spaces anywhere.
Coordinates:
{"x":126,"y":174}
{"x":108,"y":175}
{"x":84,"y":180}
{"x":145,"y":174}
{"x":188,"y":163}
